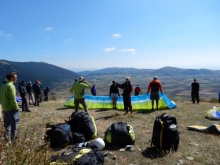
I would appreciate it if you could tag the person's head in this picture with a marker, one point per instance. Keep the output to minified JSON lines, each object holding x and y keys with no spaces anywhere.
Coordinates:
{"x":194,"y":79}
{"x":12,"y":76}
{"x":76,"y":80}
{"x":94,"y":85}
{"x":113,"y":82}
{"x":22,"y":82}
{"x":81,"y":79}
{"x":155,"y":78}
{"x":138,"y":86}
{"x":127,"y":79}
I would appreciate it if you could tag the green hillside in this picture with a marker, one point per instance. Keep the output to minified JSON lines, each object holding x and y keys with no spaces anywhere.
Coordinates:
{"x":46,"y":73}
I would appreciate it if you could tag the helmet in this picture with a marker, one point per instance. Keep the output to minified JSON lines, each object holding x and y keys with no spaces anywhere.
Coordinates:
{"x":99,"y":143}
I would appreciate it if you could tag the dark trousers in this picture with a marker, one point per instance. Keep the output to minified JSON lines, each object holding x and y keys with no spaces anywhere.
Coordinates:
{"x":37,"y":97}
{"x":24,"y":103}
{"x":195,"y":96}
{"x":127,"y":102}
{"x":80,"y":101}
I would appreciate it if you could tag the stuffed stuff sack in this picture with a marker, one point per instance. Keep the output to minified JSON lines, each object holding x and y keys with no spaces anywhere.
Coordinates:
{"x":120,"y":134}
{"x":87,"y":155}
{"x":83,"y":127}
{"x":165,"y":135}
{"x":59,"y":135}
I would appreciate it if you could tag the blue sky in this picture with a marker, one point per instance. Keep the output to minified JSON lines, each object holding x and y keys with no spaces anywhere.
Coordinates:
{"x":115,"y":33}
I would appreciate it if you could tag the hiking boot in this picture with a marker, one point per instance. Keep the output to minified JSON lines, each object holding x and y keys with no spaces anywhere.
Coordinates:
{"x":126,"y":113}
{"x":131,"y":111}
{"x":28,"y":110}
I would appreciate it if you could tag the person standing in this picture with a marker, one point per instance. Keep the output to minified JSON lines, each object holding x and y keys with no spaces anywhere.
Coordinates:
{"x":30,"y":93}
{"x":37,"y":92}
{"x":114,"y":93}
{"x":93,"y":90}
{"x":137,"y":90}
{"x":23,"y":92}
{"x":127,"y":89}
{"x":154,"y":86}
{"x":219,"y":97}
{"x":195,"y":91}
{"x":78,"y":88}
{"x":10,"y":107}
{"x":46,"y":91}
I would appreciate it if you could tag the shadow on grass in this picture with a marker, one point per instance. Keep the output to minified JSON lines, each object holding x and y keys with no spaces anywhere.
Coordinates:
{"x":108,"y":117}
{"x":152,"y":153}
{"x":63,"y":108}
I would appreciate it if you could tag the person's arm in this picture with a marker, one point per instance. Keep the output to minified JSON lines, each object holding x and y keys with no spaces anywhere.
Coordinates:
{"x":148,"y":88}
{"x":12,"y":97}
{"x":72,"y":89}
{"x":160,"y":87}
{"x":120,"y":85}
{"x":118,"y":92}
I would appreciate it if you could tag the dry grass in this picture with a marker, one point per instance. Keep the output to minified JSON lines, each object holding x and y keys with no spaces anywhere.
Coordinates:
{"x":204,"y":148}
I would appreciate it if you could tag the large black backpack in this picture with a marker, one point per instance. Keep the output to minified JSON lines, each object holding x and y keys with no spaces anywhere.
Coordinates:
{"x":59,"y":135}
{"x":83,"y":127}
{"x":120,"y":134}
{"x":89,"y":155}
{"x":165,"y":134}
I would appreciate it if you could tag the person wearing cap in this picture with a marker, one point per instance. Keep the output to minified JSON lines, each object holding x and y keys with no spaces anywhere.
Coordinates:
{"x":127,"y":89}
{"x":93,"y":90}
{"x":137,"y":90}
{"x":30,"y":92}
{"x":23,"y":92}
{"x":114,"y":93}
{"x":37,"y":92}
{"x":10,"y":107}
{"x":79,"y":88}
{"x":154,"y":87}
{"x":195,"y":91}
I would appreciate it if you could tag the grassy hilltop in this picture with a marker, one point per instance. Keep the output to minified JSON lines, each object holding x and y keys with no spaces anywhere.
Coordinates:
{"x":203,"y":148}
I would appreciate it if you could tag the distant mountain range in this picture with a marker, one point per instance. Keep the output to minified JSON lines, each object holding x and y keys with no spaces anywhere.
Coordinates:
{"x":30,"y":71}
{"x":165,"y":71}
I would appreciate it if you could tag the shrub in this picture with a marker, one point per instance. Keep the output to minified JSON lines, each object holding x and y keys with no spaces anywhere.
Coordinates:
{"x":213,"y":100}
{"x":52,"y":98}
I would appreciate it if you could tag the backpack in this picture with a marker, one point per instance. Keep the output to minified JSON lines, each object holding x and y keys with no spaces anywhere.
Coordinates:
{"x":83,"y":127}
{"x":59,"y":135}
{"x":89,"y":155}
{"x":120,"y":134}
{"x":165,"y":135}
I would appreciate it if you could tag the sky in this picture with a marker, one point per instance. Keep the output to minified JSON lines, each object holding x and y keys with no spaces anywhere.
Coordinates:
{"x":96,"y":34}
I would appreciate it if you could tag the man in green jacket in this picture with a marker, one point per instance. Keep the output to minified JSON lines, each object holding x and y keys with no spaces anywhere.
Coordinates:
{"x":78,"y":88}
{"x":10,"y":107}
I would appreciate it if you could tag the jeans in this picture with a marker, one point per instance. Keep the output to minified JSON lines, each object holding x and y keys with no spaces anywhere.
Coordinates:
{"x":11,"y":120}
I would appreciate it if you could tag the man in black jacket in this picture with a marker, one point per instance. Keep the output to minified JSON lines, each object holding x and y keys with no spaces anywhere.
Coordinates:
{"x":37,"y":92}
{"x":23,"y":93}
{"x":30,"y":92}
{"x":127,"y":89}
{"x":114,"y":93}
{"x":195,"y":91}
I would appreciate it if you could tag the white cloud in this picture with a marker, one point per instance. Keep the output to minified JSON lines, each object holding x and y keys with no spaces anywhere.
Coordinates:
{"x":46,"y":55}
{"x":116,"y":35}
{"x":1,"y":33}
{"x":8,"y":35}
{"x":67,"y":40}
{"x":49,"y":28}
{"x":132,"y":51}
{"x":107,"y":50}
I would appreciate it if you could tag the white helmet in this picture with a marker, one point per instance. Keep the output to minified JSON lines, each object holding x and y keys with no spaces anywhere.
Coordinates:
{"x":99,"y":143}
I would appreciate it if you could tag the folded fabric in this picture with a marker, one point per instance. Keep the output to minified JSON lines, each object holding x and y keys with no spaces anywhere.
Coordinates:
{"x":212,"y":129}
{"x":213,"y":114}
